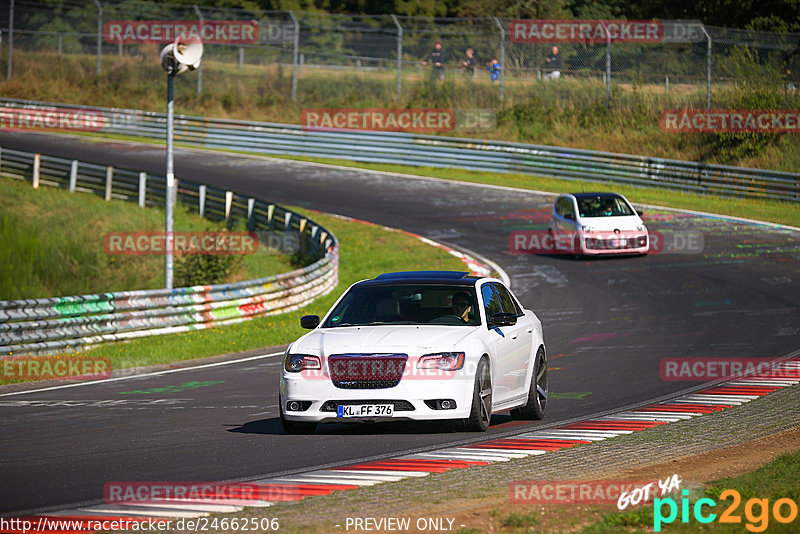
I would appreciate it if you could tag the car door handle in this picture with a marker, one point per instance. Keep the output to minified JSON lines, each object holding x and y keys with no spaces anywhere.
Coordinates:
{"x":514,"y":335}
{"x":529,"y":330}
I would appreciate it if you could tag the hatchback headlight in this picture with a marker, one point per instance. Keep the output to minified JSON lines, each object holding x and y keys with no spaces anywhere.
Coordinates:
{"x":587,"y":229}
{"x":446,"y":361}
{"x":294,"y":363}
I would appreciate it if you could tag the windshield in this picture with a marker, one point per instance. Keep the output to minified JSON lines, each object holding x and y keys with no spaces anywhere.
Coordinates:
{"x":406,"y":304}
{"x":603,"y":206}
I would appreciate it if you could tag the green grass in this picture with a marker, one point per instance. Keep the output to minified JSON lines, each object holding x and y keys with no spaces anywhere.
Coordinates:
{"x":514,"y":520}
{"x":52,"y":244}
{"x":776,"y":480}
{"x":366,"y":251}
{"x":570,"y":112}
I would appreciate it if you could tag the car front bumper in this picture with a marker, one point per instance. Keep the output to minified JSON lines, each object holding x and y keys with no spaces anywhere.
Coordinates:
{"x":408,"y":393}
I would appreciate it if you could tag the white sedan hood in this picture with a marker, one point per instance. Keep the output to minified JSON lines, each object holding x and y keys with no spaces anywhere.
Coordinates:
{"x":609,"y":224}
{"x":407,"y":339}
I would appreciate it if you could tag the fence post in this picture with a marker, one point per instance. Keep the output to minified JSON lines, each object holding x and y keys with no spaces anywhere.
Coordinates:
{"x":294,"y":54}
{"x":251,"y":220}
{"x":300,"y":66}
{"x":502,"y":57}
{"x":666,"y":84}
{"x":228,"y":204}
{"x":708,"y":68}
{"x":99,"y":34}
{"x":37,"y":160}
{"x":608,"y":66}
{"x":73,"y":175}
{"x":109,"y":180}
{"x":202,"y":200}
{"x":142,"y":188}
{"x":200,"y":68}
{"x":241,"y":56}
{"x":10,"y":38}
{"x":399,"y":56}
{"x":60,"y":43}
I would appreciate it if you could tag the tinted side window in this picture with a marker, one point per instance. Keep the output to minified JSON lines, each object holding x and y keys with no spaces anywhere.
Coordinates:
{"x":491,"y":301}
{"x":506,"y":300}
{"x":564,"y":208}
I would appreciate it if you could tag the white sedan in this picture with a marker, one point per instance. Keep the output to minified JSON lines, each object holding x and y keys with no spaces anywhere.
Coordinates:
{"x":423,"y":345}
{"x":597,"y":224}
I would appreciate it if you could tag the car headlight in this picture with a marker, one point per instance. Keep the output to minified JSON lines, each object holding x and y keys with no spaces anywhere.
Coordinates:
{"x":294,"y":363}
{"x":446,"y":361}
{"x":587,"y":229}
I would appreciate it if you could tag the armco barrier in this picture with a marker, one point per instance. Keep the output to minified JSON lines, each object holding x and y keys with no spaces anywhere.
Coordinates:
{"x":50,"y":324}
{"x":437,"y":151}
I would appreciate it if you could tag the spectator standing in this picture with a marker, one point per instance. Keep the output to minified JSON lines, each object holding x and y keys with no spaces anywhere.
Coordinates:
{"x":554,"y":65}
{"x":470,"y":64}
{"x":437,"y":59}
{"x":494,"y":69}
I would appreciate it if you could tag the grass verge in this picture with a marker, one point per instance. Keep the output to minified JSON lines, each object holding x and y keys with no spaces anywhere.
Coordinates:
{"x":570,"y":112}
{"x":53,"y":244}
{"x":366,"y":251}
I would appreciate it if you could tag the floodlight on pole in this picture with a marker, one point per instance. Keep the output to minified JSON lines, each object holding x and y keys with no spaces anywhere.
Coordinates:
{"x":177,"y":57}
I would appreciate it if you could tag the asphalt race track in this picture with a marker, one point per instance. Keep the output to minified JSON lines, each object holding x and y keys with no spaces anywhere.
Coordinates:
{"x":607,"y":324}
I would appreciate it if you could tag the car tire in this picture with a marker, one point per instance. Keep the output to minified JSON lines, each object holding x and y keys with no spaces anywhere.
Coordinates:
{"x":297,"y":427}
{"x":480,"y":415}
{"x":537,"y":391}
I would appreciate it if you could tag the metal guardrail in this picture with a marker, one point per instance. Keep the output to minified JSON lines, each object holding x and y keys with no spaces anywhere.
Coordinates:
{"x":48,"y":324}
{"x":439,"y":151}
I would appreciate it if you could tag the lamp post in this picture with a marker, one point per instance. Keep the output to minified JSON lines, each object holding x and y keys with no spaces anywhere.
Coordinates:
{"x":182,"y":55}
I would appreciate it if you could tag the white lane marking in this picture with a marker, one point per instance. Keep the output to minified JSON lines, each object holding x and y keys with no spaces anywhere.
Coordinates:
{"x":679,"y":415}
{"x":193,"y":507}
{"x":642,"y":417}
{"x":526,"y":452}
{"x":142,"y":511}
{"x":390,"y":473}
{"x":154,"y":373}
{"x":445,"y":455}
{"x":565,"y":437}
{"x":710,"y":399}
{"x":685,"y":415}
{"x":332,"y":475}
{"x":567,"y":434}
{"x":764,"y":383}
{"x":322,"y":482}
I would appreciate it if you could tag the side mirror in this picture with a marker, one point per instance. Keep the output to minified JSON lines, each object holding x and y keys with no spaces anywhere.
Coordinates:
{"x":640,"y":212}
{"x":504,"y":319}
{"x":569,"y":216}
{"x":309,"y":322}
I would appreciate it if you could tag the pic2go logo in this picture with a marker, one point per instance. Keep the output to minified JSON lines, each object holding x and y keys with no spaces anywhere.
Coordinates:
{"x":784,"y":511}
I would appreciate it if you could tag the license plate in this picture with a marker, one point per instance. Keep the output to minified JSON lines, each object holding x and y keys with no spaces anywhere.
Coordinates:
{"x":365,"y":410}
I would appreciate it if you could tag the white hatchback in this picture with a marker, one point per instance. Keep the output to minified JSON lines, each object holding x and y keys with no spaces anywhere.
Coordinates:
{"x":597,"y":224}
{"x":423,"y":345}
